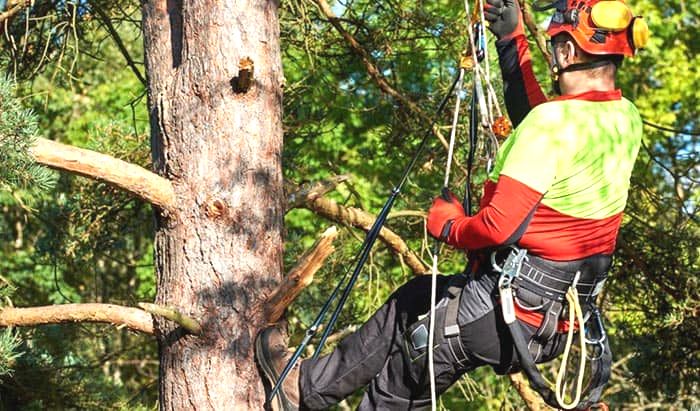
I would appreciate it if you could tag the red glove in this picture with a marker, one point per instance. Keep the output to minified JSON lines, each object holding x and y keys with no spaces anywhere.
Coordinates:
{"x":443,"y":214}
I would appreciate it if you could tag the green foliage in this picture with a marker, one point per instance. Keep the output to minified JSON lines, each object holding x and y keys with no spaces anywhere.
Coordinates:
{"x":10,"y":341}
{"x":84,"y":241}
{"x":18,"y":132}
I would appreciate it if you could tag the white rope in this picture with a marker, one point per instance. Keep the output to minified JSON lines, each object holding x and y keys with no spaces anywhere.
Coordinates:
{"x":485,"y":93}
{"x":487,"y":99}
{"x":453,"y":130}
{"x":434,"y":271}
{"x":431,"y":333}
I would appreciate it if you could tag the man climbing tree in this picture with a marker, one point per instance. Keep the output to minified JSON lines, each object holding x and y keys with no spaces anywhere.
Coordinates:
{"x":540,"y":245}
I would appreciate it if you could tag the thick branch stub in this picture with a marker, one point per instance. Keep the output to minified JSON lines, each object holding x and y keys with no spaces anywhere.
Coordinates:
{"x":245,"y":78}
{"x":186,"y":322}
{"x":300,"y":276}
{"x":129,"y":177}
{"x":133,"y":318}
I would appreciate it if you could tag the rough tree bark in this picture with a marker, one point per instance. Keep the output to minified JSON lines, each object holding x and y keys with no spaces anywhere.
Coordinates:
{"x":215,"y":101}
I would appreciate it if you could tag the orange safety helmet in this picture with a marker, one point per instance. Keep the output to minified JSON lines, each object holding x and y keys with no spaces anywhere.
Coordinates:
{"x":599,"y":27}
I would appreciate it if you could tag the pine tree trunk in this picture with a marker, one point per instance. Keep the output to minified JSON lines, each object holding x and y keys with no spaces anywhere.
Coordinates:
{"x":219,"y":140}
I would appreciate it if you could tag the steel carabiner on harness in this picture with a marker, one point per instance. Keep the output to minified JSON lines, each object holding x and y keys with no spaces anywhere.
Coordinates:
{"x":509,"y":270}
{"x":602,"y":335}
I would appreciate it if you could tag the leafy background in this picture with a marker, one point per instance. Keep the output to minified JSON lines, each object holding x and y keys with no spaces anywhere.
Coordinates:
{"x":67,"y":239}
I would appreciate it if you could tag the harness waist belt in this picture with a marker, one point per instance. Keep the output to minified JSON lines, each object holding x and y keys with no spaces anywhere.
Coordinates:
{"x":539,"y":277}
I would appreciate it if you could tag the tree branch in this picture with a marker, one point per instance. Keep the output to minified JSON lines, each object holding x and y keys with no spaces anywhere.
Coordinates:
{"x":13,"y":9}
{"x":186,"y":322}
{"x":133,"y":318}
{"x":355,"y":217}
{"x":377,"y":76}
{"x":300,"y":276}
{"x":531,"y":398}
{"x":298,"y":195}
{"x":129,"y":177}
{"x":118,"y":41}
{"x":540,"y":38}
{"x":310,"y":197}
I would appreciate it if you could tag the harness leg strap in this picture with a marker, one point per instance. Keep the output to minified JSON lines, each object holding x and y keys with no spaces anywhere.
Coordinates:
{"x":546,"y":330}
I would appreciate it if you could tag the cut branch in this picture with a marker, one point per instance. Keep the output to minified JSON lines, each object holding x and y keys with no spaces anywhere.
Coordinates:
{"x":333,"y":211}
{"x":129,"y":177}
{"x":186,"y":322}
{"x":133,"y":318}
{"x":300,"y":276}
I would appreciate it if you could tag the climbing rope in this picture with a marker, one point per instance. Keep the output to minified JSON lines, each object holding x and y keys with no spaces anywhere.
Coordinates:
{"x":434,"y":270}
{"x":492,"y":121}
{"x":483,"y":95}
{"x":575,"y":314}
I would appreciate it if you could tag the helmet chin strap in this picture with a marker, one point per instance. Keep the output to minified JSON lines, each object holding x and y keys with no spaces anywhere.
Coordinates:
{"x":556,"y":69}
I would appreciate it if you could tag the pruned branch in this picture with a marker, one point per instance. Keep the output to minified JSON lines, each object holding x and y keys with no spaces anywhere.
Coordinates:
{"x":132,"y":178}
{"x":186,"y":322}
{"x":133,"y":318}
{"x":300,"y":276}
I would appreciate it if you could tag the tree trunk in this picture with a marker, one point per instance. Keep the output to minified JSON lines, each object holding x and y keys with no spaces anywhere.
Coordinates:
{"x":217,"y":135}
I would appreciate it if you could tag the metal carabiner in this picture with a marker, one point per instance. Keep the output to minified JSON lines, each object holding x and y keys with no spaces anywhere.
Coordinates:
{"x":595,"y":313}
{"x":510,"y":270}
{"x":497,"y":268}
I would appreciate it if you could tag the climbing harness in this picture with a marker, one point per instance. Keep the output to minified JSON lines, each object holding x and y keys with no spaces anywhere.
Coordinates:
{"x":551,"y":284}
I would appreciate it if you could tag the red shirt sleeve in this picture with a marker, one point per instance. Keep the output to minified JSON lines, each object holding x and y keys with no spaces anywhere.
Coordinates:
{"x":506,"y":207}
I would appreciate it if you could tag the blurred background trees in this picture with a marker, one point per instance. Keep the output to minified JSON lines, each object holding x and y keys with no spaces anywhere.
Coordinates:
{"x":78,"y":66}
